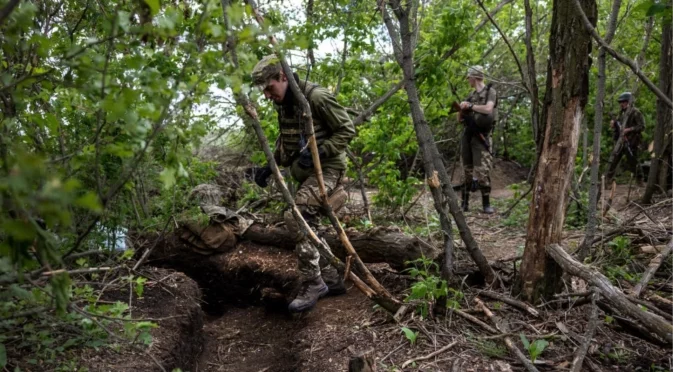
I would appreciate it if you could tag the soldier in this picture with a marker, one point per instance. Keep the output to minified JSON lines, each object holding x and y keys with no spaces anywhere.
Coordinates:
{"x":478,"y":113}
{"x":631,"y":125}
{"x":333,"y":131}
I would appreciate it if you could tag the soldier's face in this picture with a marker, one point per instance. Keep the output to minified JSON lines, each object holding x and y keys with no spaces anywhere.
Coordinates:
{"x":624,"y":104}
{"x":275,"y":89}
{"x":472,"y":81}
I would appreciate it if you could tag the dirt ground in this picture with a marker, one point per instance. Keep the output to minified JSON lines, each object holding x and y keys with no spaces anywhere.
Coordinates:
{"x":246,"y":329}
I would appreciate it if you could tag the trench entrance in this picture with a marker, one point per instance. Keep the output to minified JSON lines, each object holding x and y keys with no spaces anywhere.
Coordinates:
{"x":244,"y":297}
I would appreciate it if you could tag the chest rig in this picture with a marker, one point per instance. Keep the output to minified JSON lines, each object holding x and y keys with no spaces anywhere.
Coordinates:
{"x":292,"y":126}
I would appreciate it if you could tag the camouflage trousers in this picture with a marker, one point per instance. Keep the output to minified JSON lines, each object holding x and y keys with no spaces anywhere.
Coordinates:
{"x":310,"y":261}
{"x":477,"y":161}
{"x":623,"y":148}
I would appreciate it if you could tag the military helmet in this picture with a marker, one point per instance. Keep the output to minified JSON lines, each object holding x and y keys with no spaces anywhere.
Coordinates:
{"x":266,"y":69}
{"x":476,"y":72}
{"x":626,"y":96}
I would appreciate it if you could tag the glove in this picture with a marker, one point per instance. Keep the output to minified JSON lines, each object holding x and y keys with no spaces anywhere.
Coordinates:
{"x":262,"y":176}
{"x":306,"y":160}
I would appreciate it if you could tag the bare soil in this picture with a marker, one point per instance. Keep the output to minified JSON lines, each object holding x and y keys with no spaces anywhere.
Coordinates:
{"x":247,"y":327}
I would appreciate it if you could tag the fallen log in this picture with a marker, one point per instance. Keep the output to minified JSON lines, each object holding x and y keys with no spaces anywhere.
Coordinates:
{"x":653,"y":323}
{"x":375,"y":246}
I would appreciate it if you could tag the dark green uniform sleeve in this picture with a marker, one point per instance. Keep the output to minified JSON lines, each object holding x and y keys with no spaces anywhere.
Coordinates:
{"x":638,"y":122}
{"x":492,"y":94}
{"x":335,"y":116}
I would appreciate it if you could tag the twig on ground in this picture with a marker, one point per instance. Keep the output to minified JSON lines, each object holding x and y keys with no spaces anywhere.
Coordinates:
{"x":588,"y":335}
{"x":652,"y":268}
{"x":511,"y":208}
{"x":426,"y":357}
{"x":510,"y":301}
{"x":508,"y":341}
{"x":476,"y":321}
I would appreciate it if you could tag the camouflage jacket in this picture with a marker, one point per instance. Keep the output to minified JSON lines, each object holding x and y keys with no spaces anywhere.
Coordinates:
{"x":333,"y":129}
{"x":632,"y":118}
{"x":480,"y":98}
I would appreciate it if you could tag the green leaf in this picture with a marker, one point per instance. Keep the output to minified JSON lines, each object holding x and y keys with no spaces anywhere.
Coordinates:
{"x":657,"y":8}
{"x":410,"y":335}
{"x":524,"y":340}
{"x":89,"y":201}
{"x":167,"y":177}
{"x":154,"y":6}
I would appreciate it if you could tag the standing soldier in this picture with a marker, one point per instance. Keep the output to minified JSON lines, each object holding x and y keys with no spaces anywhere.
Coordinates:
{"x":631,"y":125}
{"x":478,"y":113}
{"x":333,"y":131}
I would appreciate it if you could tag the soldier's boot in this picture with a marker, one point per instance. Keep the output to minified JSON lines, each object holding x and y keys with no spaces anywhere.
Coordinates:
{"x":333,"y":280}
{"x":309,"y":294}
{"x":466,"y":199}
{"x":486,"y":203}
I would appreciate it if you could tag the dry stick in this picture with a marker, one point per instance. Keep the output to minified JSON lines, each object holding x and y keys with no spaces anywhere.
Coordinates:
{"x":511,"y":208}
{"x":476,"y":321}
{"x":363,"y":191}
{"x":432,"y":161}
{"x":508,"y":300}
{"x":607,"y":206}
{"x":653,"y":308}
{"x":588,"y":335}
{"x":156,"y":242}
{"x":437,"y":352}
{"x":324,"y":250}
{"x":368,"y":277}
{"x":619,"y":57}
{"x":80,"y":271}
{"x":509,"y":45}
{"x":654,"y":323}
{"x":508,"y":341}
{"x":652,"y":268}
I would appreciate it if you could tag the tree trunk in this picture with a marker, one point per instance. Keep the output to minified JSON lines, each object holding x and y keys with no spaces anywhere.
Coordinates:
{"x":566,"y":95}
{"x":432,"y":160}
{"x":660,"y":163}
{"x":532,"y":75}
{"x":598,"y":127}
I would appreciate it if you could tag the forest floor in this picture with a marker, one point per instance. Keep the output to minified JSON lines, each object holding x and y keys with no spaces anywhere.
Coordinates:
{"x":240,"y":334}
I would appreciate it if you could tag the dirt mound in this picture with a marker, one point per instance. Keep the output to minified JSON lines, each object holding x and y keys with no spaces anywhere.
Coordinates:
{"x":171,"y":300}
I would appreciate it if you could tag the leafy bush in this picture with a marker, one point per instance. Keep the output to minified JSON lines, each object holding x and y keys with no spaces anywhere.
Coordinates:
{"x":429,"y":288}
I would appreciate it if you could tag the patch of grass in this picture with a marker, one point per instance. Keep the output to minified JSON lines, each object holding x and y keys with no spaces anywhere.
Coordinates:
{"x":490,"y":348}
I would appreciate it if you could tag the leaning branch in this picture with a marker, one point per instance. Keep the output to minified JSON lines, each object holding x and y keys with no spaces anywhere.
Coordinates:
{"x":653,"y":323}
{"x":652,"y":268}
{"x":625,"y":60}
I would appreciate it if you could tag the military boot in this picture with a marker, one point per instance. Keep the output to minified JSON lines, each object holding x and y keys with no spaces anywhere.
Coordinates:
{"x":466,"y":199}
{"x":309,"y":293}
{"x":486,"y":203}
{"x":333,"y":280}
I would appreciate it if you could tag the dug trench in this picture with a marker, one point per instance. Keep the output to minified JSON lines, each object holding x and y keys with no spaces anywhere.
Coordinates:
{"x":246,"y":325}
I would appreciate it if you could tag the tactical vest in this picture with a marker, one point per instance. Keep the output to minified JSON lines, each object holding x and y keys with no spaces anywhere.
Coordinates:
{"x":292,"y":123}
{"x":485,"y":123}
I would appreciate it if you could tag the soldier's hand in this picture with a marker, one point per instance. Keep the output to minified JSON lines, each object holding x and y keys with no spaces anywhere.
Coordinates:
{"x":262,"y":176}
{"x":306,"y":160}
{"x":612,"y":123}
{"x":465,"y":105}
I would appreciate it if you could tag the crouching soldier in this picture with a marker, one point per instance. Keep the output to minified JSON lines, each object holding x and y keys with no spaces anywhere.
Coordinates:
{"x":478,"y":113}
{"x":333,"y":131}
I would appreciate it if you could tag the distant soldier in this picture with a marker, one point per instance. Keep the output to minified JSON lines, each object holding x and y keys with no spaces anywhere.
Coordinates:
{"x":478,"y":113}
{"x":333,"y":131}
{"x":629,"y":125}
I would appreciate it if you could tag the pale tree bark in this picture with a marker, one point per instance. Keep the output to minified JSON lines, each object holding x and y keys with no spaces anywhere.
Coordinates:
{"x":566,"y":95}
{"x":438,"y":178}
{"x":592,"y":221}
{"x":660,"y":162}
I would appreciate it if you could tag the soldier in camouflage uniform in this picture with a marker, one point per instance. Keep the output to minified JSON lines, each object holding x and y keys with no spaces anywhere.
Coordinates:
{"x":333,"y":131}
{"x":630,"y":126}
{"x":478,"y":113}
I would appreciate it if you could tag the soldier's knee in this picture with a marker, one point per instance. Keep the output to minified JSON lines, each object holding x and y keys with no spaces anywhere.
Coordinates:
{"x":292,"y":226}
